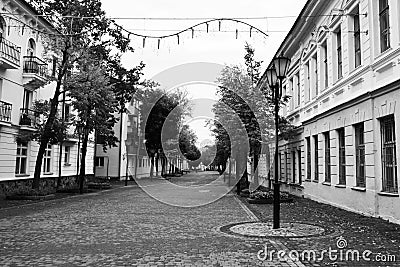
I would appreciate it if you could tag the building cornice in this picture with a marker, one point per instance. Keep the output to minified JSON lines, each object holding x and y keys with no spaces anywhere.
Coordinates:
{"x":359,"y":99}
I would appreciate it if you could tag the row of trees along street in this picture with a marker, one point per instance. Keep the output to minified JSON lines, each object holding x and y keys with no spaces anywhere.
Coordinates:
{"x":166,"y":137}
{"x":89,"y":72}
{"x":248,"y":118}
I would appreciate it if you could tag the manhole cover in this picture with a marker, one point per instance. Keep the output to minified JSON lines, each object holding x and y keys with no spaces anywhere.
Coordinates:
{"x":265,"y":229}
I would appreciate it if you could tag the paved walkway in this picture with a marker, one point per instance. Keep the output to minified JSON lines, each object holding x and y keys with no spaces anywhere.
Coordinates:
{"x":127,"y":227}
{"x":177,"y":224}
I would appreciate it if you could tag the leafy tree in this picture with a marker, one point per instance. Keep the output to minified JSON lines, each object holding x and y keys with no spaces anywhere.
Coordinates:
{"x":243,"y":105}
{"x":187,"y":144}
{"x":95,"y":103}
{"x":81,"y":24}
{"x":162,"y":115}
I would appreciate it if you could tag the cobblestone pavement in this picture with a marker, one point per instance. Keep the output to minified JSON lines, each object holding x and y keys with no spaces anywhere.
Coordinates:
{"x":126,"y":227}
{"x":353,"y":231}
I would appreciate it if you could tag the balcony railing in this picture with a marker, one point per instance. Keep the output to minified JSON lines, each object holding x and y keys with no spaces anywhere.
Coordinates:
{"x":5,"y":111}
{"x":28,"y":117}
{"x":10,"y":51}
{"x":34,"y":65}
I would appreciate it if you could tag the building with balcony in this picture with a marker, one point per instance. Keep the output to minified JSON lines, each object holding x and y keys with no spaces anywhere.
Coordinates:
{"x":344,"y":83}
{"x":129,"y":157}
{"x":24,"y":74}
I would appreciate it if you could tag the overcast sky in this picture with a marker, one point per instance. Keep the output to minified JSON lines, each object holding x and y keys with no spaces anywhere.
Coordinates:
{"x":213,"y":47}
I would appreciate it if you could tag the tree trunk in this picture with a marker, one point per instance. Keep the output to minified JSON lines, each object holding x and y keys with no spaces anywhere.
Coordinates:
{"x":157,"y":158}
{"x":82,"y":172}
{"x":152,"y":166}
{"x":50,"y":120}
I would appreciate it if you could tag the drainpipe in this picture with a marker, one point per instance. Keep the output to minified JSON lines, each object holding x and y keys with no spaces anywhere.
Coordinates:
{"x":374,"y":130}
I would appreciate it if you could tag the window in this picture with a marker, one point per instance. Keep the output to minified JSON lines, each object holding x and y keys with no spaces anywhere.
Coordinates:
{"x":327,"y":157}
{"x":299,"y":165}
{"x":342,"y":157}
{"x":315,"y":74}
{"x":297,"y":76}
{"x":384,"y":24}
{"x":67,"y":112}
{"x":339,"y":53}
{"x":21,"y":158}
{"x":99,"y":162}
{"x":357,"y":38}
{"x":360,"y":155}
{"x":308,"y":143}
{"x":286,"y":167}
{"x":389,"y":164}
{"x":67,"y":153}
{"x":307,"y":82}
{"x":292,"y":100}
{"x":294,"y":166}
{"x":316,"y":165}
{"x":325,"y":64}
{"x":47,"y":159}
{"x":140,"y":163}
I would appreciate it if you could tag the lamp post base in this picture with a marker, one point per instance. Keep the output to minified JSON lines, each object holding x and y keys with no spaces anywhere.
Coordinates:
{"x":276,"y":223}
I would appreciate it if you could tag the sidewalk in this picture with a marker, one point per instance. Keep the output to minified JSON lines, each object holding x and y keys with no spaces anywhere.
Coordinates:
{"x":360,"y":232}
{"x":7,"y":203}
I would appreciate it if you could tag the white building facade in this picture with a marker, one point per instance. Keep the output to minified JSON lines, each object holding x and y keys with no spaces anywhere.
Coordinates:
{"x":24,"y":70}
{"x":344,"y":83}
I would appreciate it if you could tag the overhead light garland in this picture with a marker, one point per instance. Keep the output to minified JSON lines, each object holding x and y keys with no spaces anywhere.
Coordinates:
{"x":191,"y":29}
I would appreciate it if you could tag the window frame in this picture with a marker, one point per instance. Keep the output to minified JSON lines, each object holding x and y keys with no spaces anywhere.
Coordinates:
{"x":67,"y":155}
{"x":294,"y":166}
{"x":360,"y":155}
{"x":357,"y":37}
{"x":388,"y":143}
{"x":327,"y":153}
{"x":342,"y":156}
{"x":299,"y":166}
{"x":20,"y":157}
{"x":339,"y":51}
{"x":316,"y":159}
{"x":384,"y":32}
{"x":48,"y":160}
{"x":99,"y":162}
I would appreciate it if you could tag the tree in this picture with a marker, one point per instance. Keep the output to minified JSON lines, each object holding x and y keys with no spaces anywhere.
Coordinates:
{"x":243,"y":105}
{"x":95,"y":102}
{"x":187,"y":144}
{"x":161,"y":116}
{"x":81,"y":24}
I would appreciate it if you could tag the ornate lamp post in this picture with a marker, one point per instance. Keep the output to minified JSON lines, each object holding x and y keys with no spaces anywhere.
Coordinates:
{"x":275,"y":77}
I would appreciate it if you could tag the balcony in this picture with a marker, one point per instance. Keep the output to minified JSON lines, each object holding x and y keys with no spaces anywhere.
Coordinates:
{"x":29,"y":118}
{"x":5,"y":112}
{"x":9,"y":54}
{"x":34,"y":72}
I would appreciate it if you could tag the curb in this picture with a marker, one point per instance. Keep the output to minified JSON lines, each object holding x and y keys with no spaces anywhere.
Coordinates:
{"x":67,"y":197}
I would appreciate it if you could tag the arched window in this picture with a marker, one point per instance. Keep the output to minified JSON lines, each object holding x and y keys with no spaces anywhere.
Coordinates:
{"x":31,"y":51}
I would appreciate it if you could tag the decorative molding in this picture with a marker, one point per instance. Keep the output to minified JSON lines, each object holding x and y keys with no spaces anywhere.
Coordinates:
{"x":385,"y":67}
{"x":357,"y":81}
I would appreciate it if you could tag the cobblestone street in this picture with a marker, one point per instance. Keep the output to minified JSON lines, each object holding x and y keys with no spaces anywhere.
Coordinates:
{"x":124,"y":227}
{"x":127,"y":227}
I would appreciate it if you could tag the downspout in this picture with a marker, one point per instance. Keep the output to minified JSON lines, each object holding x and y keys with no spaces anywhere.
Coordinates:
{"x":374,"y":130}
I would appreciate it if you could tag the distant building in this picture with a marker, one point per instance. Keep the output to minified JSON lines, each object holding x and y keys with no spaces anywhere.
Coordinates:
{"x":113,"y":162}
{"x":23,"y":72}
{"x":344,"y":83}
{"x":129,"y":157}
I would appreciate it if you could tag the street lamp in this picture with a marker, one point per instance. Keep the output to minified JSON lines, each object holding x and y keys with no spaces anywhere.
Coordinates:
{"x":275,"y":76}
